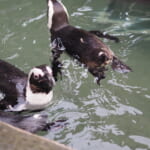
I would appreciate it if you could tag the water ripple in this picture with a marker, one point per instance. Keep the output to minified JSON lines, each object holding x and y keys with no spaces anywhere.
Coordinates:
{"x":128,"y":88}
{"x":76,"y":14}
{"x":85,"y":8}
{"x":141,"y":140}
{"x":13,"y":56}
{"x":118,"y":110}
{"x":6,"y":37}
{"x":31,"y":20}
{"x":111,"y":129}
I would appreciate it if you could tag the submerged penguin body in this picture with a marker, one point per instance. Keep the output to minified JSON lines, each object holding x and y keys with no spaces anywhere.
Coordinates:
{"x":32,"y":122}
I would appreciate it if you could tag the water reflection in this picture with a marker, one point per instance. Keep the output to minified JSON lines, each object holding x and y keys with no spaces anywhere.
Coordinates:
{"x":114,"y":115}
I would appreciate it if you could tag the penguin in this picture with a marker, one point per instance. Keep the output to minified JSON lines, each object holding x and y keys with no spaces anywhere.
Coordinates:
{"x":33,"y":123}
{"x":20,"y":91}
{"x":85,"y":46}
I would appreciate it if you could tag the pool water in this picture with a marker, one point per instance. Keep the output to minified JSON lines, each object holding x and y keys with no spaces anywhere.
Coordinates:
{"x":114,"y":115}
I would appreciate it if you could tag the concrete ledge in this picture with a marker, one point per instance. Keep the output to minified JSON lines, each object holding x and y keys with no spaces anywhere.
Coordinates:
{"x":12,"y":138}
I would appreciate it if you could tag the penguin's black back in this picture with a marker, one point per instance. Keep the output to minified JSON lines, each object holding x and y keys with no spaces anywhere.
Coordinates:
{"x":9,"y":72}
{"x":80,"y":43}
{"x":10,"y":76}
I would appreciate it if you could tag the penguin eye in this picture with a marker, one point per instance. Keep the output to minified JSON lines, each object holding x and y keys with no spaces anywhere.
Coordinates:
{"x":103,"y":57}
{"x":36,"y":77}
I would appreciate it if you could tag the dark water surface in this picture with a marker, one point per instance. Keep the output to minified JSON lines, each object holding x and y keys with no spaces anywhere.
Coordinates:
{"x":114,"y":116}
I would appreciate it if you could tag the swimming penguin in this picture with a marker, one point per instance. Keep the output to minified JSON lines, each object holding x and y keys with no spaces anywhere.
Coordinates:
{"x":19,"y":91}
{"x":31,"y":122}
{"x":85,"y":46}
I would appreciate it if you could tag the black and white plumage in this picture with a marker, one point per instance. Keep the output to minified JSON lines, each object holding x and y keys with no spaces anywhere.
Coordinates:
{"x":85,"y":46}
{"x":19,"y":91}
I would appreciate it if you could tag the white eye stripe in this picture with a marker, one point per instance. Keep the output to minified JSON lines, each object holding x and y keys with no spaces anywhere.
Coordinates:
{"x":101,"y":53}
{"x":36,"y":72}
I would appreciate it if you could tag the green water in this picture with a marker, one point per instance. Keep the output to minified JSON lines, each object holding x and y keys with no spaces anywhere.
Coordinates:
{"x":114,"y":116}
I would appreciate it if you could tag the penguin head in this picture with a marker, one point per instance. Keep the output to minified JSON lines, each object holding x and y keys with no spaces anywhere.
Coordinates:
{"x":57,"y":15}
{"x":41,"y":79}
{"x":105,"y":56}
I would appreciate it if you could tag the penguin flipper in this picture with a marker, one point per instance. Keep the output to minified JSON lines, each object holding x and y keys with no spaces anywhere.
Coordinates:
{"x":106,"y":36}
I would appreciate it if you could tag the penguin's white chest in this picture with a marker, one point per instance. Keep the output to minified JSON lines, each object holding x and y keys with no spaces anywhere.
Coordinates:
{"x":38,"y":100}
